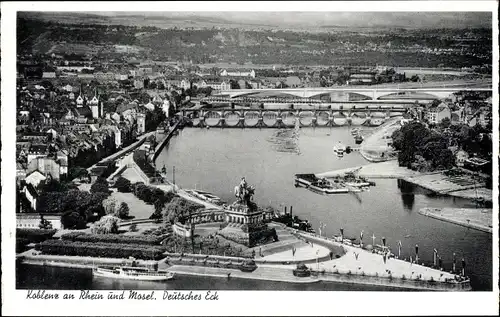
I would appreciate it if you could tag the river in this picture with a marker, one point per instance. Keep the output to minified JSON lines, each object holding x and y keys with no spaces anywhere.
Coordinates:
{"x":215,"y":160}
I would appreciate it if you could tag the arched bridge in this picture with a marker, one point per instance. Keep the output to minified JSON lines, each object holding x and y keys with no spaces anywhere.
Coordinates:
{"x":348,"y":92}
{"x":282,"y":118}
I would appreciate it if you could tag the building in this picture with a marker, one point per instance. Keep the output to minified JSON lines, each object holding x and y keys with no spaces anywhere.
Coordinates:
{"x":436,"y":114}
{"x":238,"y":73}
{"x":35,"y":178}
{"x":33,"y":220}
{"x":31,"y":195}
{"x":141,"y":123}
{"x":55,"y":167}
{"x":96,"y":107}
{"x":362,"y":78}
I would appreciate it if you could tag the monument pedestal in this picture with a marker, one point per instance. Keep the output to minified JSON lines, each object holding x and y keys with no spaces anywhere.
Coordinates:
{"x":246,"y":225}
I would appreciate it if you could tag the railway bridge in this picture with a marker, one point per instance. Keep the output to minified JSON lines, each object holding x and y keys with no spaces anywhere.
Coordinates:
{"x":282,"y":118}
{"x":367,"y":93}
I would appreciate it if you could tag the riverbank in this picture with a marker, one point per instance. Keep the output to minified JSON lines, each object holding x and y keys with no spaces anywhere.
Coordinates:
{"x":479,"y":219}
{"x":461,"y":187}
{"x":388,"y":169}
{"x":376,"y":147}
{"x":357,"y":266}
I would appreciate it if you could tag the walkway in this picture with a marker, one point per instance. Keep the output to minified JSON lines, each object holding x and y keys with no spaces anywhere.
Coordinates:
{"x":124,"y":150}
{"x":357,"y":259}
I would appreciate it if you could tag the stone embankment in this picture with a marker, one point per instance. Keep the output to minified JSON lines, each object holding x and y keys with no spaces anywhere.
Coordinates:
{"x":475,"y":218}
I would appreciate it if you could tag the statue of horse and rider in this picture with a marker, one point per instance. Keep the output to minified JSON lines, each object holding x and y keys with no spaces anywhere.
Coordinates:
{"x":244,"y":193}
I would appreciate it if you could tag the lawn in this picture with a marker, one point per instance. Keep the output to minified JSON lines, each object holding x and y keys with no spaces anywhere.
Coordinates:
{"x":138,"y":208}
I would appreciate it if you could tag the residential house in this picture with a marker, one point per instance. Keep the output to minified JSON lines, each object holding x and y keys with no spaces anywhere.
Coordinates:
{"x":35,"y":178}
{"x":36,"y":151}
{"x":436,"y":114}
{"x":31,"y":195}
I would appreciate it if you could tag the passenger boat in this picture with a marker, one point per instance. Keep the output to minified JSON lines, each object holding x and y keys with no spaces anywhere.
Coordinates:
{"x":132,"y":273}
{"x":206,"y":196}
{"x":339,"y":149}
{"x":358,"y":139}
{"x":305,"y":179}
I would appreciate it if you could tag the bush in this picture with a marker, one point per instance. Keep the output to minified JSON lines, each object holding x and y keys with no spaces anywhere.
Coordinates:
{"x":93,"y":249}
{"x":133,"y":228}
{"x":100,"y":186}
{"x":112,"y":238}
{"x":35,"y":235}
{"x":123,"y":185}
{"x":73,"y":220}
{"x":107,"y":224}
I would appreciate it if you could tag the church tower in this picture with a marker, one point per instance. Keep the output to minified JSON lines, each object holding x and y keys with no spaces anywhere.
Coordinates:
{"x":95,"y":106}
{"x":80,"y":100}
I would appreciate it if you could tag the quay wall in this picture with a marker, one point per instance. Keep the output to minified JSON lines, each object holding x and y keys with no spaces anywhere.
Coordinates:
{"x":343,"y":277}
{"x":165,"y":141}
{"x":472,"y":223}
{"x":139,"y":171}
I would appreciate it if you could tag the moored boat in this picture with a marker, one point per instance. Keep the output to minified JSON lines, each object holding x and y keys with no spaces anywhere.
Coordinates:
{"x":327,"y":187}
{"x":339,"y":149}
{"x":208,"y":197}
{"x":132,"y":273}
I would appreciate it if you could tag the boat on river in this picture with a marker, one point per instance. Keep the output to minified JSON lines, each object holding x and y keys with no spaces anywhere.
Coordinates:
{"x":324,"y":186}
{"x":205,"y":196}
{"x":339,"y":149}
{"x":358,"y":139}
{"x":321,"y":185}
{"x":132,"y":273}
{"x":352,"y":180}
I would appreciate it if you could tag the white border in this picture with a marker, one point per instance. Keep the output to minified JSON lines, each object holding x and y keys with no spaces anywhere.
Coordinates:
{"x":233,"y":303}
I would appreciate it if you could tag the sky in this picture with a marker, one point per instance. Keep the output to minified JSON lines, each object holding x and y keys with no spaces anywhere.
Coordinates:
{"x":342,"y":19}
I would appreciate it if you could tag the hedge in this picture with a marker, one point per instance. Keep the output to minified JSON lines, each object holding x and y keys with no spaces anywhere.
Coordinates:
{"x":35,"y":235}
{"x":21,"y":244}
{"x":113,"y":238}
{"x":104,"y":250}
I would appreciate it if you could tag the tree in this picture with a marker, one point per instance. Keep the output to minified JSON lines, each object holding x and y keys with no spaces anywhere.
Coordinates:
{"x":108,"y":224}
{"x":123,"y":211}
{"x":110,"y":206}
{"x":45,"y":224}
{"x":100,"y":186}
{"x":73,"y":220}
{"x":445,"y":123}
{"x":123,"y":185}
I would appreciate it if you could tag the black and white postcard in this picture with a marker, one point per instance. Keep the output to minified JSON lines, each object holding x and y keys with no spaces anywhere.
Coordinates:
{"x":253,"y":158}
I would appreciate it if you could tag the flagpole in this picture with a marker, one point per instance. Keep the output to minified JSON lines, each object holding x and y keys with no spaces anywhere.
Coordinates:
{"x":399,"y":249}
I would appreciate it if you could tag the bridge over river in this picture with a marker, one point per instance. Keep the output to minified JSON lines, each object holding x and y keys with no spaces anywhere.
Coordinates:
{"x":282,"y":118}
{"x":360,"y":93}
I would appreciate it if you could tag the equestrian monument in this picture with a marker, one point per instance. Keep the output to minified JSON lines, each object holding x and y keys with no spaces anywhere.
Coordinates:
{"x":246,"y":223}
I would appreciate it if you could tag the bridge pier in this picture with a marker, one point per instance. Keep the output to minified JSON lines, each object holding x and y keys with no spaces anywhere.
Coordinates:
{"x":202,"y":123}
{"x":241,"y":122}
{"x":260,"y":123}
